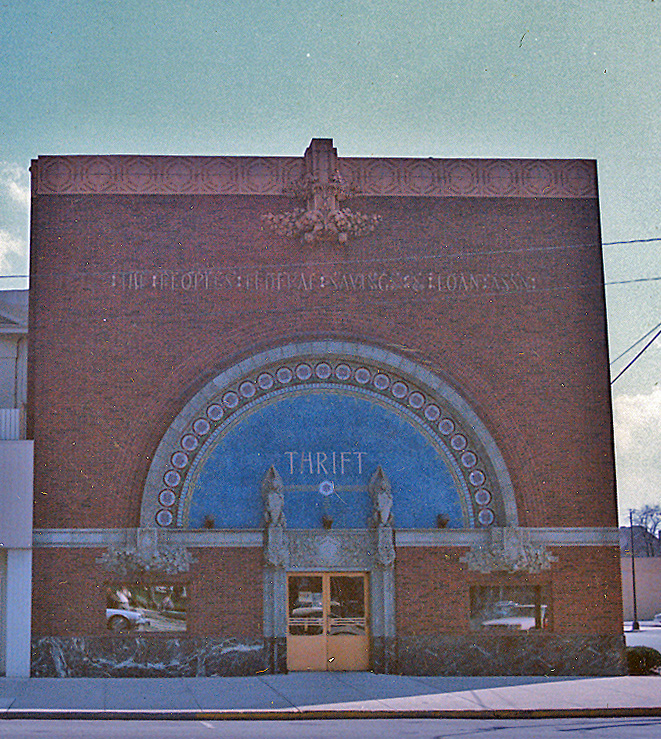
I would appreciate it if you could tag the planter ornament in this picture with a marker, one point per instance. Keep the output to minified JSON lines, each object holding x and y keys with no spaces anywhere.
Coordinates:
{"x":322,"y":187}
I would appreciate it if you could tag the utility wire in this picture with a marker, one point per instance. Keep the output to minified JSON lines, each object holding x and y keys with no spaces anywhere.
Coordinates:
{"x":396,"y":259}
{"x":656,"y":278}
{"x":638,"y":279}
{"x":632,"y":241}
{"x":649,"y":343}
{"x":642,"y":338}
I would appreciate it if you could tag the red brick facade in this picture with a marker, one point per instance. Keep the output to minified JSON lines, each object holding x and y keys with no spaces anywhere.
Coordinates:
{"x":139,"y":297}
{"x":532,"y":362}
{"x":583,"y":588}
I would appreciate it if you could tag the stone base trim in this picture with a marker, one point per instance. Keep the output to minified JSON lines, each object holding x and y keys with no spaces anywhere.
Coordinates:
{"x":384,"y":655}
{"x":137,"y":656}
{"x":277,"y":654}
{"x":511,"y":654}
{"x":451,"y":654}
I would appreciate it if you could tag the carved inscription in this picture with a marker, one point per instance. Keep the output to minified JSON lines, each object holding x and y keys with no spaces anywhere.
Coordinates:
{"x":325,"y":463}
{"x":316,"y":282}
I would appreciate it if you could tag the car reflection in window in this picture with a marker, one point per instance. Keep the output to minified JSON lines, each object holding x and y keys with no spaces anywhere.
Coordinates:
{"x":149,"y":608}
{"x":514,"y":616}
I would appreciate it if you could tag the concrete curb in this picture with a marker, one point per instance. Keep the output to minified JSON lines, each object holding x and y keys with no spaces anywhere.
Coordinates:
{"x":293,"y":714}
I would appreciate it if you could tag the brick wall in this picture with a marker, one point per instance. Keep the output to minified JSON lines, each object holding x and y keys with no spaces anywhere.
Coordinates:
{"x":226,"y":593}
{"x":433,"y":589}
{"x":587,"y":590}
{"x":111,"y":367}
{"x":224,"y":590}
{"x":68,"y":592}
{"x":430,"y":593}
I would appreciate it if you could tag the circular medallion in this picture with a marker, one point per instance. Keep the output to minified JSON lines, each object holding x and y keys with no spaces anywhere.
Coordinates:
{"x":485,"y":516}
{"x":189,"y":442}
{"x":399,"y":389}
{"x":381,"y":381}
{"x":458,"y":442}
{"x":179,"y":460}
{"x":247,"y":389}
{"x":446,"y":426}
{"x":343,"y":372}
{"x":166,"y":497}
{"x":476,"y":478}
{"x":284,"y":375}
{"x":201,"y":426}
{"x":416,"y":400}
{"x":432,"y":412}
{"x":231,"y":399}
{"x":164,"y":517}
{"x":215,"y":412}
{"x":304,"y":372}
{"x":483,"y":497}
{"x":172,"y":478}
{"x":363,"y":375}
{"x":323,"y":371}
{"x":265,"y":381}
{"x":468,"y":459}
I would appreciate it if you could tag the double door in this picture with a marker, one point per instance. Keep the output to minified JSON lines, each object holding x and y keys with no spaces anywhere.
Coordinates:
{"x":327,"y":621}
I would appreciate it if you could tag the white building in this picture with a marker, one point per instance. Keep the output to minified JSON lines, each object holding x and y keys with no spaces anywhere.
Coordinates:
{"x":16,"y":464}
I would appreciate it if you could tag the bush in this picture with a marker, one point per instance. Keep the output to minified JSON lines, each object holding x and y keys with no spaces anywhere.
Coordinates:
{"x":643,"y":660}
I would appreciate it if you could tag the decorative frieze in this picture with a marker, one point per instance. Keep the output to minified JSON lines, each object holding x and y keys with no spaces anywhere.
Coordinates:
{"x":183,"y":175}
{"x":248,"y":538}
{"x":126,"y":561}
{"x":509,"y":550}
{"x":148,"y":556}
{"x":333,"y":550}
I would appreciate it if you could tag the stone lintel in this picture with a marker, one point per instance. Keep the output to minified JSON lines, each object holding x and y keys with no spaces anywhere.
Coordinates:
{"x":76,"y":538}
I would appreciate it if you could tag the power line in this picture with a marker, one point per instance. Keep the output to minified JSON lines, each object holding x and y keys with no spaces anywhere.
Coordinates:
{"x":638,"y":279}
{"x":642,"y":338}
{"x":384,"y":260}
{"x":631,"y":241}
{"x":649,"y":343}
{"x":656,"y":278}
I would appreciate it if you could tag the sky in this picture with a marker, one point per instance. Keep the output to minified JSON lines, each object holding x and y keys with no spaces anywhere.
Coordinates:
{"x":457,"y":78}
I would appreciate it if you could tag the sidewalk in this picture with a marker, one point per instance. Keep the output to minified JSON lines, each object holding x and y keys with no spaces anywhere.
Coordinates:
{"x":328,"y":695}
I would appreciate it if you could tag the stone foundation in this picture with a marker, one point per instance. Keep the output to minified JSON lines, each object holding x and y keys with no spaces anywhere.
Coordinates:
{"x":129,"y":656}
{"x":511,"y":654}
{"x":452,"y":654}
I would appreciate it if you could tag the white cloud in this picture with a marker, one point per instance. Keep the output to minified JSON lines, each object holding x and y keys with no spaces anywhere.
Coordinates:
{"x":12,"y":252}
{"x":637,"y":423}
{"x":14,"y":210}
{"x":15,"y":184}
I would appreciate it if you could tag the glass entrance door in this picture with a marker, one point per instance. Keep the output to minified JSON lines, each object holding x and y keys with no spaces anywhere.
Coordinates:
{"x":328,"y":625}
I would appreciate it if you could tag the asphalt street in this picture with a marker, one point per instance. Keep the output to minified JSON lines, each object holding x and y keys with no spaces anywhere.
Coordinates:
{"x":648,"y":636}
{"x":614,"y":728}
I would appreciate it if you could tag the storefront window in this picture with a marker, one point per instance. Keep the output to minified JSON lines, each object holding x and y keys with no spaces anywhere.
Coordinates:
{"x":513,"y":608}
{"x":146,"y":608}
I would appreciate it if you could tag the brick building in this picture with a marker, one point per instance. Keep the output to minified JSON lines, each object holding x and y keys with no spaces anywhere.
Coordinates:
{"x":320,"y":413}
